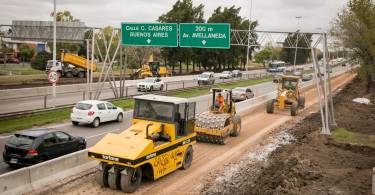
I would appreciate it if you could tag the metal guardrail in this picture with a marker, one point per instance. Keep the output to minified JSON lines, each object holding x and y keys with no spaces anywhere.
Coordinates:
{"x":173,"y":86}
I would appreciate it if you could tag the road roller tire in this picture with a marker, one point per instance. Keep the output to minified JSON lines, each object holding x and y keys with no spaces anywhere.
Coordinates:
{"x":188,"y":158}
{"x":236,"y":126}
{"x":294,"y":109}
{"x":301,"y":101}
{"x":130,"y":179}
{"x":114,"y":177}
{"x":102,"y":175}
{"x":270,"y":106}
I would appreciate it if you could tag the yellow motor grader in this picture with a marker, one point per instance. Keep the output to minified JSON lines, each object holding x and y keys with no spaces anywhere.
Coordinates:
{"x":158,"y":142}
{"x":288,"y":96}
{"x":220,"y":122}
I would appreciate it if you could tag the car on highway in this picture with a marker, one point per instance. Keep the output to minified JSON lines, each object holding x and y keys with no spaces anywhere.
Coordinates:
{"x":298,"y":72}
{"x":34,"y":146}
{"x":95,"y":112}
{"x":226,"y":75}
{"x":237,"y":73}
{"x":242,"y":93}
{"x":307,"y":77}
{"x":150,"y":84}
{"x":206,"y":78}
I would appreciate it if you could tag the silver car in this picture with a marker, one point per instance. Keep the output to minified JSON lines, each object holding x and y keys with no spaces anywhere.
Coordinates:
{"x":242,"y":93}
{"x":226,"y":75}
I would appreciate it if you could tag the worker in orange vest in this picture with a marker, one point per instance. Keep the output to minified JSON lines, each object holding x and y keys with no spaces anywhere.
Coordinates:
{"x":220,"y":101}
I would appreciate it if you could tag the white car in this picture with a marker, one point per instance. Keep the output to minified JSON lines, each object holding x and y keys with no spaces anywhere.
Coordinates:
{"x":150,"y":84}
{"x":226,"y":75}
{"x":206,"y":78}
{"x":95,"y":112}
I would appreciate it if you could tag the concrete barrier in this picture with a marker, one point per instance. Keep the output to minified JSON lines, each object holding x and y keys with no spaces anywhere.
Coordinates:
{"x":34,"y":177}
{"x":15,"y":182}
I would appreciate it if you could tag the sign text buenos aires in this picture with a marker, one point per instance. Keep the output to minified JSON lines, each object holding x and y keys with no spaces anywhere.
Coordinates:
{"x":205,"y":35}
{"x":149,"y":34}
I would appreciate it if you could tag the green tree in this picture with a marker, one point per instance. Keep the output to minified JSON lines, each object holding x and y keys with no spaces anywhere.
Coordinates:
{"x":39,"y":62}
{"x":236,"y":56}
{"x":263,"y":56}
{"x":26,"y":52}
{"x":183,"y":11}
{"x":288,"y":52}
{"x":65,"y":16}
{"x":355,"y":27}
{"x":105,"y":38}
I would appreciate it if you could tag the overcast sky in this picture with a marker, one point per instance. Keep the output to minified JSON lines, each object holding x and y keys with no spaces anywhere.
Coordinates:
{"x":271,"y":14}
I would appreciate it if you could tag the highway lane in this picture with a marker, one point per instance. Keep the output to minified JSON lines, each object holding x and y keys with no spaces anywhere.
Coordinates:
{"x":15,"y":100}
{"x":94,"y":135}
{"x":18,"y":101}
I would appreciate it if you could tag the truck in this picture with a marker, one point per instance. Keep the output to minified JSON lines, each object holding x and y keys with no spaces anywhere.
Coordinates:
{"x":70,"y":65}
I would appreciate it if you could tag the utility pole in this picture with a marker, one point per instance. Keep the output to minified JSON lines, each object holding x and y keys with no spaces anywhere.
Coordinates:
{"x":248,"y":37}
{"x":298,"y":30}
{"x":54,"y":46}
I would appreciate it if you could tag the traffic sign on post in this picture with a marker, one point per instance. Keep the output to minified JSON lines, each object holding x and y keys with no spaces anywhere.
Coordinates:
{"x":205,"y":35}
{"x":149,"y":34}
{"x":53,"y":77}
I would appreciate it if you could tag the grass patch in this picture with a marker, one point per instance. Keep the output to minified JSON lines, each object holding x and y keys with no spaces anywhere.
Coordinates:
{"x":206,"y":90}
{"x":26,"y":122}
{"x":19,"y":70}
{"x":124,"y":104}
{"x":342,"y":135}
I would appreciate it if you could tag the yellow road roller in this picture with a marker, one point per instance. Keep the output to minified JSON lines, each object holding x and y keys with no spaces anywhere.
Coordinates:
{"x":221,"y":121}
{"x":159,"y":141}
{"x":288,"y":96}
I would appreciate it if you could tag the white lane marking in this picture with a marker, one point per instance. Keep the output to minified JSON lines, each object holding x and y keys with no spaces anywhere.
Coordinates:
{"x":92,"y":136}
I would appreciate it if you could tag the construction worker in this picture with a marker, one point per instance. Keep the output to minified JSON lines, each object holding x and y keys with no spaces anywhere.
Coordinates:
{"x":219,"y":101}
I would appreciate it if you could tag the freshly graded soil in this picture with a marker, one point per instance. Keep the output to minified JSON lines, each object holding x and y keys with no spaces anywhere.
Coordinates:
{"x":313,"y":163}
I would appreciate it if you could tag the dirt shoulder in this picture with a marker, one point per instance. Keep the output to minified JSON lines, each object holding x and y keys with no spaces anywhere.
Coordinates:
{"x":307,"y":162}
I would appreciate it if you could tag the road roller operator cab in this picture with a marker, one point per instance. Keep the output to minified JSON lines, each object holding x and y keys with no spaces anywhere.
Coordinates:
{"x":158,"y":142}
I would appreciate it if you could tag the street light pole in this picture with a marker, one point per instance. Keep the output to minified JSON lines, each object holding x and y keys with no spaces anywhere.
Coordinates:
{"x":248,"y":37}
{"x":295,"y":53}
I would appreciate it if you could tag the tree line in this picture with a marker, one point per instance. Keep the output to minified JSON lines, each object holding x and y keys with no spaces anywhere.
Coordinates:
{"x":354,"y":26}
{"x":183,"y":11}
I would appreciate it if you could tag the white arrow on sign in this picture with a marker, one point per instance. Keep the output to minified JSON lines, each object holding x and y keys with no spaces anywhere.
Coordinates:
{"x":204,"y":42}
{"x":148,"y":41}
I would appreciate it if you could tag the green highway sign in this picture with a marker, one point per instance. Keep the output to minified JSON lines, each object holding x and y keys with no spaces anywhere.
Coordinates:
{"x":149,"y":34}
{"x":205,"y":35}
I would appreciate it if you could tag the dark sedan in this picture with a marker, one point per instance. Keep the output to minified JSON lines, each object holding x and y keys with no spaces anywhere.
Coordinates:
{"x":34,"y":146}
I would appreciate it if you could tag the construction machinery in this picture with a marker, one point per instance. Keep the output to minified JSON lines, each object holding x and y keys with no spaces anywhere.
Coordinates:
{"x":151,"y":69}
{"x":71,"y":65}
{"x":288,"y":96}
{"x":158,"y":142}
{"x":221,"y":121}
